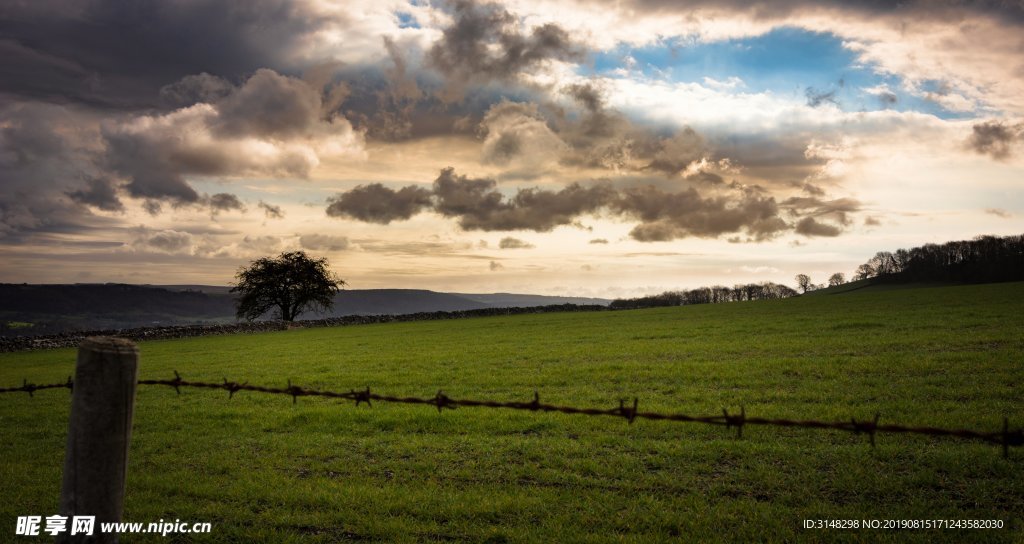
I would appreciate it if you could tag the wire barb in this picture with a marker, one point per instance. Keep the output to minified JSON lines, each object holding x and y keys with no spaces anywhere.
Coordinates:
{"x":361,"y":396}
{"x":294,"y":391}
{"x":869,"y":427}
{"x":736,"y":421}
{"x":442,"y":401}
{"x":232,"y":387}
{"x":628,"y":413}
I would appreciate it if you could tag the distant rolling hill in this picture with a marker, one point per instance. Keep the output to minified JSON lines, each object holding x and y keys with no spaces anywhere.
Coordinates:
{"x":511,"y":300}
{"x":48,"y":309}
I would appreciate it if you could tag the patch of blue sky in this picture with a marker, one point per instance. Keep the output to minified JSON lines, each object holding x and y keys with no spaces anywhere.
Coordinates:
{"x":788,"y":62}
{"x":406,"y":20}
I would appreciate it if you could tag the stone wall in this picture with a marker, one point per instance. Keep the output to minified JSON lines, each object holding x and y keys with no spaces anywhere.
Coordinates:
{"x":74,"y":338}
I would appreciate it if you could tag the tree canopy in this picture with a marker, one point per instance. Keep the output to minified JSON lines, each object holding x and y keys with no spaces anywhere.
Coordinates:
{"x":983,"y":259}
{"x":290,"y":283}
{"x":708,"y":295}
{"x":803,"y":282}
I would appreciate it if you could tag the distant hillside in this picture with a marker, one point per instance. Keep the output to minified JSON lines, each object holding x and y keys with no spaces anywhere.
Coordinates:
{"x":396,"y":301}
{"x":208,"y":289}
{"x":49,"y":309}
{"x":512,"y":300}
{"x":366,"y":301}
{"x":873,"y":285}
{"x":108,"y":298}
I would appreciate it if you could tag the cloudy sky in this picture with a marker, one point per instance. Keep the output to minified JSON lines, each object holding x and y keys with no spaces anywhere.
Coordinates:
{"x":559,"y":147}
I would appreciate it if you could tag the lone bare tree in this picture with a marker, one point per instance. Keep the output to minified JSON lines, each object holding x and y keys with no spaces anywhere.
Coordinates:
{"x":803,"y":281}
{"x":291,"y":283}
{"x":836,"y":279}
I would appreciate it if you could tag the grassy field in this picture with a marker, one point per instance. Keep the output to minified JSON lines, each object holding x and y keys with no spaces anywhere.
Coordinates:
{"x":264,"y":470}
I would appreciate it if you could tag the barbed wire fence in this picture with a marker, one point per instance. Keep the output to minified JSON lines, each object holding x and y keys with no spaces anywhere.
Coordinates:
{"x":629,"y":411}
{"x":103,"y":393}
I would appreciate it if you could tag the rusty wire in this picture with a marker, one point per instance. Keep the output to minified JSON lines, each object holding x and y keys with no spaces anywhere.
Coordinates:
{"x":629,"y":411}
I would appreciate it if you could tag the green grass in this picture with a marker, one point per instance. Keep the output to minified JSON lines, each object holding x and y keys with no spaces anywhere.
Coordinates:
{"x":265,"y":470}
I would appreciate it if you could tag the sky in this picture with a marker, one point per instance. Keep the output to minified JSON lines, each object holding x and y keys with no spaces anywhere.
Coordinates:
{"x":575,"y":147}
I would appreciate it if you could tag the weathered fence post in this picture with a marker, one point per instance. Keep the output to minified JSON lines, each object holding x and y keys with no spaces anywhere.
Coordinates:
{"x":99,"y":431}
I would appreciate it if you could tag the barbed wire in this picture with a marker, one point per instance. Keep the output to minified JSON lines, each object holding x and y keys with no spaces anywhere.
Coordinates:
{"x":629,"y":411}
{"x":31,"y":388}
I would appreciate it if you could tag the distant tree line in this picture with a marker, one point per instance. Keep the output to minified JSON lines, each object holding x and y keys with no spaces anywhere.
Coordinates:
{"x":985,"y":259}
{"x":708,"y":295}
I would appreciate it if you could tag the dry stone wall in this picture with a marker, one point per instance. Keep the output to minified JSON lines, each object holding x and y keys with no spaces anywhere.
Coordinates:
{"x":74,"y":338}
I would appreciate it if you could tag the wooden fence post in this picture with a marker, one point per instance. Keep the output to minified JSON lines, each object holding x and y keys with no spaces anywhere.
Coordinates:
{"x":99,"y":431}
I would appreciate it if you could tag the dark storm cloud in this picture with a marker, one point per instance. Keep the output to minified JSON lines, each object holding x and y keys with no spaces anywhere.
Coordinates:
{"x":598,"y":121}
{"x":389,"y":104}
{"x":148,"y":162}
{"x":193,"y":89}
{"x":98,"y":193}
{"x":375,"y":203}
{"x":485,"y":44}
{"x":603,"y":137}
{"x":402,"y":83}
{"x":269,"y":105}
{"x":165,"y":241}
{"x":514,"y":243}
{"x":391,"y":107}
{"x":48,"y":181}
{"x":474,"y":202}
{"x":667,"y":216}
{"x":459,"y":195}
{"x":995,"y":138}
{"x":781,"y":9}
{"x":120,"y":54}
{"x":223,"y":202}
{"x":152,"y":207}
{"x":808,"y":226}
{"x":587,"y":96}
{"x":778,"y":160}
{"x":58,"y":161}
{"x":674,"y":154}
{"x":271,"y":211}
{"x":477,"y":205}
{"x":156,"y":153}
